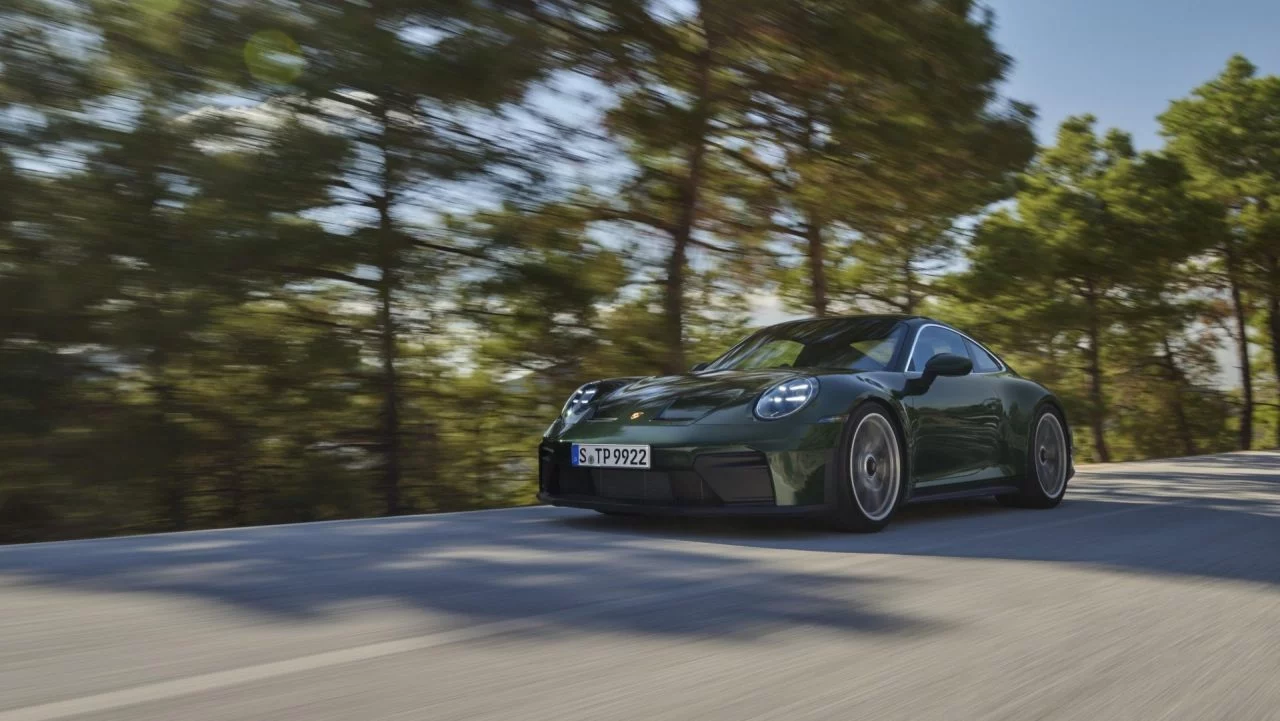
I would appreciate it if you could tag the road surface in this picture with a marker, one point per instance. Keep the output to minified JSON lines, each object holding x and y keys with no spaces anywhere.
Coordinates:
{"x":1153,"y":592}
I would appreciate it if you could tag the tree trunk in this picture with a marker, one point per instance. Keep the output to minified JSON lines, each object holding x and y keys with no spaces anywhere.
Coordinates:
{"x":236,"y":506}
{"x":1097,"y":408}
{"x":236,"y":512}
{"x":673,"y":307}
{"x":175,"y":489}
{"x":1179,"y":381}
{"x":169,"y":436}
{"x":817,"y":263}
{"x":430,"y":478}
{"x":388,"y":260}
{"x":390,"y":390}
{"x":909,"y":286}
{"x":167,"y":439}
{"x":813,"y":236}
{"x":1273,"y":326}
{"x":1242,"y":344}
{"x":687,"y":212}
{"x":387,"y":349}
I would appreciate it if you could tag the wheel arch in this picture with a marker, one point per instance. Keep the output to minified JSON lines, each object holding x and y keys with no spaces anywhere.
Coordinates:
{"x":897,"y":415}
{"x":1051,"y":401}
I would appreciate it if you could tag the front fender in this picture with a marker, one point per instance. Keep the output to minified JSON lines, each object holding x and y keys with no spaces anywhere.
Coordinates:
{"x":844,"y":393}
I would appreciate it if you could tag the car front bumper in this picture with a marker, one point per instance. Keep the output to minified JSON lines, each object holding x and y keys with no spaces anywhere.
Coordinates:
{"x":605,"y":505}
{"x":721,"y":480}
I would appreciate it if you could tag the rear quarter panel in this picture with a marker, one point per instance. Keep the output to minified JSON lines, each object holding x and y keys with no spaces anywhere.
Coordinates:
{"x":1022,"y":399}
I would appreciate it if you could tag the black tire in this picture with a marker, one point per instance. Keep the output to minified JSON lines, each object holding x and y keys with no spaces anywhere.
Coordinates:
{"x":1044,"y":458}
{"x":883,"y":477}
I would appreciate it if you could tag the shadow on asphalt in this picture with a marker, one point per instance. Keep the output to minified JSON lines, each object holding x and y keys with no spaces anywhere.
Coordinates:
{"x":486,"y":567}
{"x":471,"y":568}
{"x":1222,"y":524}
{"x":1255,"y":461}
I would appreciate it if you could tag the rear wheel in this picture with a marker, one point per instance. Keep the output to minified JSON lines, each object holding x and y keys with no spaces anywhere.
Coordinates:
{"x":1048,"y":456}
{"x":871,"y":471}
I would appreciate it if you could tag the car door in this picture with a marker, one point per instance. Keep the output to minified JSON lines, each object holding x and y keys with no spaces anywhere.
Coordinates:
{"x":956,"y":420}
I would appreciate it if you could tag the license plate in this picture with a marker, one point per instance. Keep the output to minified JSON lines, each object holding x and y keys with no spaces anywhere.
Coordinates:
{"x":610,"y":456}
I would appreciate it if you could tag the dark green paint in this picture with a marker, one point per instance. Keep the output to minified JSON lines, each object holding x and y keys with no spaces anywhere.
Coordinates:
{"x":961,"y":432}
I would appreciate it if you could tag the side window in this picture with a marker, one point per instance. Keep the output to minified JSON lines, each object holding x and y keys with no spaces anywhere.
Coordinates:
{"x":932,"y":341}
{"x":874,"y":355}
{"x":983,"y":362}
{"x":867,"y":354}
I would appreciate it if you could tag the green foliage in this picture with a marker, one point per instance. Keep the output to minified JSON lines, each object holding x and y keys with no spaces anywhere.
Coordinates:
{"x":1082,"y":264}
{"x":875,"y":151}
{"x":279,"y":262}
{"x":1228,"y":135}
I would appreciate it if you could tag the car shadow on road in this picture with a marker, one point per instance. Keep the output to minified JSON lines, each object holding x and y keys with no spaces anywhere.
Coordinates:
{"x":1221,"y":523}
{"x":1250,"y":460}
{"x":579,"y":572}
{"x":467,"y":569}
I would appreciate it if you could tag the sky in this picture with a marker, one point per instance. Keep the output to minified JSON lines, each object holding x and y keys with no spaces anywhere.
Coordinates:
{"x":1124,"y":60}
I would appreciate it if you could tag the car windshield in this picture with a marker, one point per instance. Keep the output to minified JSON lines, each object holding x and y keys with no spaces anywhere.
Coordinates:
{"x":860,"y":344}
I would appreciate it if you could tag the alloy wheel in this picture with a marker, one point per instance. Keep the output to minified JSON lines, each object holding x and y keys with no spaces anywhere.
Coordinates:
{"x":875,"y":469}
{"x":1050,"y":455}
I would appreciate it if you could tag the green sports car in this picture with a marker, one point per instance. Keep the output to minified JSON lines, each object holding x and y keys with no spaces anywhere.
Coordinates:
{"x":841,"y":418}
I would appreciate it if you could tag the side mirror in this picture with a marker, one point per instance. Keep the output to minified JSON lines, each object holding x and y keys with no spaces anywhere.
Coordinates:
{"x":698,"y":367}
{"x":948,"y":364}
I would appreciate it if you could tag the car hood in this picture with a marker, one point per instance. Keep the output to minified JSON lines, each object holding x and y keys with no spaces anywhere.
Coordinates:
{"x":686,"y":398}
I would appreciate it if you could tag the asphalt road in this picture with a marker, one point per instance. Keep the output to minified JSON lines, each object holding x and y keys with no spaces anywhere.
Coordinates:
{"x":1153,"y":592}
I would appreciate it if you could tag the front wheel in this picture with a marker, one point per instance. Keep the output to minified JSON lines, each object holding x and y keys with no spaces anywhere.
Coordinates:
{"x":1048,"y":455}
{"x":871,"y":471}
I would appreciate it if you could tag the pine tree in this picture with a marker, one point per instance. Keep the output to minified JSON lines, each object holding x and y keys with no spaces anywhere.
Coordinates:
{"x":1228,"y":134}
{"x":873,"y":148}
{"x":1090,"y":214}
{"x":406,"y":85}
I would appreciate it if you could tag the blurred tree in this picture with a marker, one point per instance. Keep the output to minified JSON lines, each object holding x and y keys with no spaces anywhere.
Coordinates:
{"x":554,"y":308}
{"x":533,"y":317}
{"x":1228,"y":133}
{"x":46,"y":286}
{"x":539,"y":310}
{"x":406,"y":84}
{"x":273,"y":262}
{"x":671,"y":71}
{"x":184,"y":213}
{"x":871,"y":144}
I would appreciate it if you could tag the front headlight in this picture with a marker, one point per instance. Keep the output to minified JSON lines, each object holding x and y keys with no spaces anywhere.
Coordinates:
{"x":579,"y":402}
{"x":786,"y":398}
